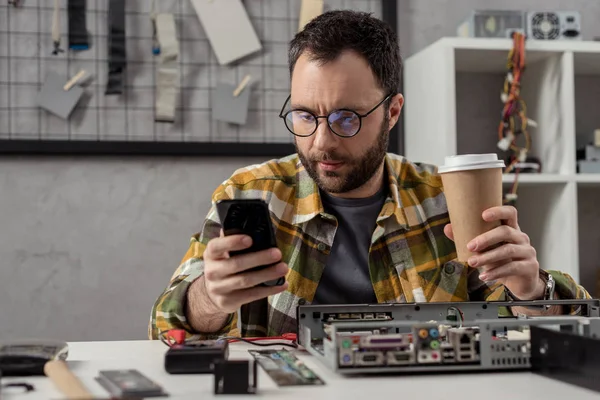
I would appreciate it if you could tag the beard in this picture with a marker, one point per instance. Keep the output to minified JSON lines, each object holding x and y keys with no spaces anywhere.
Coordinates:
{"x":358,"y":171}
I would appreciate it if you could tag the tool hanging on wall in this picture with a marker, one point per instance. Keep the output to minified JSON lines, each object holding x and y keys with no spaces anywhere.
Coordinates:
{"x":116,"y":47}
{"x":515,"y":124}
{"x":56,"y":28}
{"x":230,"y":103}
{"x":309,"y":10}
{"x":167,"y":77}
{"x":60,"y":98}
{"x":228,"y":29}
{"x":78,"y":34}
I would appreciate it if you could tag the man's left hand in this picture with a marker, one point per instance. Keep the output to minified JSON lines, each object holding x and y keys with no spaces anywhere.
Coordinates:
{"x":513,"y":262}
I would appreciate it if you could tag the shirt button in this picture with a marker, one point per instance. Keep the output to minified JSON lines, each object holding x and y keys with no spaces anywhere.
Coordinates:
{"x":449,"y":269}
{"x":321,"y":247}
{"x":302,"y":302}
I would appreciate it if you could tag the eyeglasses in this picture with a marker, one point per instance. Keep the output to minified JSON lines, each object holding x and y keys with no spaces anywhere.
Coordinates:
{"x":343,"y":122}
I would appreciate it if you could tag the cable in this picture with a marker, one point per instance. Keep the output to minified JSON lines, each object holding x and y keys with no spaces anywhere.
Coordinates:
{"x":255,"y":341}
{"x":514,"y":121}
{"x":459,"y":314}
{"x":177,"y":336}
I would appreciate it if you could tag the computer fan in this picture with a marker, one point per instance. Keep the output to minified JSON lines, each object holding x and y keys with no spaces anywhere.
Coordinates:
{"x":554,"y":25}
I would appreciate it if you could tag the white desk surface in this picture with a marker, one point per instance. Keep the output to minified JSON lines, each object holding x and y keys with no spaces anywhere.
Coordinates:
{"x":86,"y":358}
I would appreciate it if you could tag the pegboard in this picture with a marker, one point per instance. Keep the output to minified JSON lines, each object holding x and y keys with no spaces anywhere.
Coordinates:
{"x":113,"y":124}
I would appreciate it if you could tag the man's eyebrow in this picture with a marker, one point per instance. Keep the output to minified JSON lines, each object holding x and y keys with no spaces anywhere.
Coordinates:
{"x":356,"y":107}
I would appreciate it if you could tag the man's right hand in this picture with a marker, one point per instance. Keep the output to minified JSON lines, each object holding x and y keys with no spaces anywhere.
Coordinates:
{"x":228,"y":283}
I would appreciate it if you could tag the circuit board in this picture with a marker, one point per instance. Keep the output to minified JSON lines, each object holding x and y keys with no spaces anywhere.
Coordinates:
{"x":285,"y":368}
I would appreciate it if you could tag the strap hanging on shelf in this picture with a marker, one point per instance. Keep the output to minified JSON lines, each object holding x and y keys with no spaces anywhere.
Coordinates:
{"x":168,"y":68}
{"x":116,"y":47}
{"x":78,"y":34}
{"x":56,"y":28}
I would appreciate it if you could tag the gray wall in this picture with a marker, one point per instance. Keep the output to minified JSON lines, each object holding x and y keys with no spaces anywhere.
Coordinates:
{"x":86,"y":244}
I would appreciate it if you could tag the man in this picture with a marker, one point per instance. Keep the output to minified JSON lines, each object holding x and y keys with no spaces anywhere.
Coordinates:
{"x":353,"y":223}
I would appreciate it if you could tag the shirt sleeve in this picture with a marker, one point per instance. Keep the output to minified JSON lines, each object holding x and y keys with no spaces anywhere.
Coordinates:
{"x":566,"y":288}
{"x":168,"y":311}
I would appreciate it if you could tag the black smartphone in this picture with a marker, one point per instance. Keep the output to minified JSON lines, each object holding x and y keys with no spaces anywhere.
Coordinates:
{"x":249,"y":217}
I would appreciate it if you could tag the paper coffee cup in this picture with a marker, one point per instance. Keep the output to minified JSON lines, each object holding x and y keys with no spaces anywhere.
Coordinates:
{"x":472,"y":184}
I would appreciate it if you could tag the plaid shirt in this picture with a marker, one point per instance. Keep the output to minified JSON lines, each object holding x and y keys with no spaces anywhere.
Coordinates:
{"x":410,"y":258}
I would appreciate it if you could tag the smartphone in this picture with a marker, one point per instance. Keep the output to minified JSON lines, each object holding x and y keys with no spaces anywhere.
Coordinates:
{"x":249,"y":217}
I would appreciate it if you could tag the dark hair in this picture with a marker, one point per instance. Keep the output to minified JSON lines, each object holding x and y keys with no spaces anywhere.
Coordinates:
{"x":331,"y":33}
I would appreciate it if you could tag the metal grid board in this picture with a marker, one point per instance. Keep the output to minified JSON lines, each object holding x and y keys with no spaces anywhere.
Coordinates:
{"x":109,"y":122}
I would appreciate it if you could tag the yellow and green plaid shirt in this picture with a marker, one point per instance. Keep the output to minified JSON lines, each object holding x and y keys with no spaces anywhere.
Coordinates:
{"x":410,"y":258}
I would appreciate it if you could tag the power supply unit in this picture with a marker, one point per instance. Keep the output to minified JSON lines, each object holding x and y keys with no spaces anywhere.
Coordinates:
{"x":554,"y":25}
{"x":493,"y":24}
{"x":537,"y":25}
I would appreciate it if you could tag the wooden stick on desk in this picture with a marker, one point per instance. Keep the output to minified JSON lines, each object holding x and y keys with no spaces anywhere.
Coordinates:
{"x":66,"y":381}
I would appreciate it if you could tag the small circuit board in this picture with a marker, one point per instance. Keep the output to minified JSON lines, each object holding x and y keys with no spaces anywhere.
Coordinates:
{"x":285,"y":368}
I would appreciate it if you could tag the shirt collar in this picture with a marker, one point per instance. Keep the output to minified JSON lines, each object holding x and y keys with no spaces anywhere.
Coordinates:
{"x":309,"y":204}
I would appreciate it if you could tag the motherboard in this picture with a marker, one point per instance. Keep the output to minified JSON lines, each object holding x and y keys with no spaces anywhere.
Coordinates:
{"x":358,"y":339}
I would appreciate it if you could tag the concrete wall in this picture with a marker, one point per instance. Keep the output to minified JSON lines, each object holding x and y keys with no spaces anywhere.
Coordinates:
{"x":87,"y":244}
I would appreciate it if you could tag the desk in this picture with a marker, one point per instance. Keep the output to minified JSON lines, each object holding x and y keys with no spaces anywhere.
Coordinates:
{"x":86,"y":358}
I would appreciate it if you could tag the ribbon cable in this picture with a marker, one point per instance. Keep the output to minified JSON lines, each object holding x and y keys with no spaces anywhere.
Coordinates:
{"x":168,"y":68}
{"x":116,"y":47}
{"x":78,"y":34}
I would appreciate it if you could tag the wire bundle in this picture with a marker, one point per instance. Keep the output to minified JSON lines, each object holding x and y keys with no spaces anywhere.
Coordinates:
{"x":514,"y":120}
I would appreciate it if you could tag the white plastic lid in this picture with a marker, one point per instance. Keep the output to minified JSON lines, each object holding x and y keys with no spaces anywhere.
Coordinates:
{"x":470,"y":161}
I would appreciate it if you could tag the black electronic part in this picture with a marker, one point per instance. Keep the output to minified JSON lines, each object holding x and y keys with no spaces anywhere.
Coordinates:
{"x":567,"y":357}
{"x":129,"y":383}
{"x":28,"y":358}
{"x":235,"y":377}
{"x":197,"y":357}
{"x":249,"y":217}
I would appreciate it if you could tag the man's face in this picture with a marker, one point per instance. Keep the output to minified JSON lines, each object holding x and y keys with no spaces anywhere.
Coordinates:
{"x":337,"y":164}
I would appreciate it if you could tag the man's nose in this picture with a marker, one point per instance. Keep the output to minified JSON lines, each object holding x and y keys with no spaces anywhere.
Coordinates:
{"x":325,"y":140}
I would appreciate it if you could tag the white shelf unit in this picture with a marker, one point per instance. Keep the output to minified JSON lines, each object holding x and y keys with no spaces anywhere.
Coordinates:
{"x":452,"y":106}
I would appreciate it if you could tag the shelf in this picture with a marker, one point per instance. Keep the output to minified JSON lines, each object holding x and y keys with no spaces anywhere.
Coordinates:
{"x":489,"y":55}
{"x":536,"y":178}
{"x":588,"y":179}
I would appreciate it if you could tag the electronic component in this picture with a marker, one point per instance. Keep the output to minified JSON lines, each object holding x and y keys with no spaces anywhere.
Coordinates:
{"x":195,"y":357}
{"x":28,"y":357}
{"x":129,"y":383}
{"x":249,"y":217}
{"x":427,"y":343}
{"x":285,"y":368}
{"x":493,"y":24}
{"x":537,"y":25}
{"x":554,"y":25}
{"x":417,"y":338}
{"x":235,"y":377}
{"x":462,"y":341}
{"x":566,"y":356}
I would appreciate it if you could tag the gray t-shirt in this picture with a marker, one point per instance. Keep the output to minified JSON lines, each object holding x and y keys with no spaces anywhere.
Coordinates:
{"x":346,"y":278}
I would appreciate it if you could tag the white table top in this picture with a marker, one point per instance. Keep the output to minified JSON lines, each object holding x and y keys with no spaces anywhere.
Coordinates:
{"x":87,"y":358}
